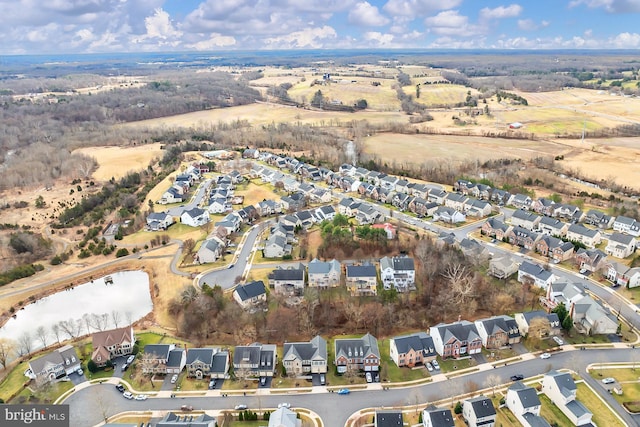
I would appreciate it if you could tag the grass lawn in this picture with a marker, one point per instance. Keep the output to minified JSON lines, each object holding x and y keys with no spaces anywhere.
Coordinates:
{"x":176,"y":231}
{"x":453,"y":365}
{"x":13,"y":382}
{"x":390,"y":371}
{"x":619,"y":374}
{"x":45,"y":394}
{"x":290,"y":383}
{"x":602,"y":416}
{"x":551,"y":412}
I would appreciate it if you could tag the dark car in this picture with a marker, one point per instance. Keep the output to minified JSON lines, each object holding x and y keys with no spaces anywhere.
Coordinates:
{"x":186,"y":408}
{"x":120,"y":388}
{"x":517,"y":377}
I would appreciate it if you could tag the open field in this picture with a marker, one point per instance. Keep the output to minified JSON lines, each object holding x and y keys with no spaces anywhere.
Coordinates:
{"x":439,"y":94}
{"x":264,"y":113}
{"x":117,"y":161}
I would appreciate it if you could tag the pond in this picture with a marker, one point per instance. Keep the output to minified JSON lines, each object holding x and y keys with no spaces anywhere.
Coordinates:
{"x":111,"y":301}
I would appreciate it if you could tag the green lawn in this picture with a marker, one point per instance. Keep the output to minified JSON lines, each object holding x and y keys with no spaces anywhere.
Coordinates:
{"x":453,"y":365}
{"x":390,"y":371}
{"x":551,"y":412}
{"x":14,"y":382}
{"x":602,"y":416}
{"x":45,"y":394}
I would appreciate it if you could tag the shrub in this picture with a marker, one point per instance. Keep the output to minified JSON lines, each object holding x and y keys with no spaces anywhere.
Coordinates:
{"x":458,"y":408}
{"x":122,"y":252}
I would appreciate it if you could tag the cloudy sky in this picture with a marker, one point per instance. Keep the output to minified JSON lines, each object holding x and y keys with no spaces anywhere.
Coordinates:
{"x":84,"y":26}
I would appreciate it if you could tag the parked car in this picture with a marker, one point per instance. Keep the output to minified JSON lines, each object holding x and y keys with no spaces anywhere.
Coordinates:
{"x":435,"y":364}
{"x":80,"y":371}
{"x":120,"y":388}
{"x":174,"y":378}
{"x":545,"y":355}
{"x":212,"y":384}
{"x":141,"y":397}
{"x":429,"y":366}
{"x":323,"y":379}
{"x":127,"y":395}
{"x":230,"y":266}
{"x":284,"y":405}
{"x":368,"y":377}
{"x":517,"y":377}
{"x":344,"y":391}
{"x":130,"y":359}
{"x":558,"y":340}
{"x":263,"y":381}
{"x":240,"y":407}
{"x":186,"y":408}
{"x":608,"y":380}
{"x":124,"y":367}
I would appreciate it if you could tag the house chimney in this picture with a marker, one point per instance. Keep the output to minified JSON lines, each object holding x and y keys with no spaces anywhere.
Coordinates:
{"x":459,"y":317}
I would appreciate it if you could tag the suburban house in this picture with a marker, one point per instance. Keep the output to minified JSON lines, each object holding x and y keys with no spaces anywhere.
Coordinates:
{"x":57,"y":364}
{"x":250,"y":294}
{"x":110,"y":344}
{"x":599,"y":219}
{"x":535,"y":274}
{"x":569,"y":212}
{"x":552,"y":227}
{"x":522,"y":237}
{"x":276,"y":246}
{"x":525,"y":404}
{"x":495,"y":228}
{"x":288,"y":281}
{"x":590,"y":259}
{"x":284,"y":417}
{"x":627,"y":225}
{"x":448,"y":215}
{"x":633,"y":277}
{"x":159,"y":221}
{"x":498,"y":331}
{"x":398,"y":273}
{"x":210,"y":251}
{"x":455,"y":201}
{"x":591,"y":318}
{"x":171,"y":419}
{"x":300,"y":358}
{"x":621,"y":245}
{"x":204,"y":363}
{"x":251,"y":153}
{"x":456,"y":339}
{"x":324,"y":274}
{"x":412,"y":350}
{"x":219,"y":205}
{"x":563,"y":293}
{"x":357,"y":354}
{"x":525,"y":219}
{"x":554,"y":248}
{"x":562,"y":391}
{"x":362,"y":279}
{"x":479,"y":412}
{"x":520,"y":201}
{"x":615,"y":273}
{"x":162,"y":359}
{"x":255,"y":360}
{"x":437,"y":417}
{"x":543,"y":206}
{"x":367,"y":214}
{"x":390,"y":229}
{"x":550,"y":324}
{"x":388,"y":419}
{"x":194,"y":217}
{"x":502,"y":267}
{"x":172,"y":195}
{"x":473,"y":249}
{"x":579,"y":233}
{"x":501,"y":197}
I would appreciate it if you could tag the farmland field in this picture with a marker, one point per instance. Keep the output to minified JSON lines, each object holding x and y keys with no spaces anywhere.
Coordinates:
{"x":118,"y":161}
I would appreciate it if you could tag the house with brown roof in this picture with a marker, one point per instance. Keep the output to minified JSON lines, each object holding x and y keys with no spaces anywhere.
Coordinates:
{"x":110,"y":344}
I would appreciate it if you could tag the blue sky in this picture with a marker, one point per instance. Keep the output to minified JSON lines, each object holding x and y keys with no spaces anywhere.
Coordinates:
{"x":86,"y":26}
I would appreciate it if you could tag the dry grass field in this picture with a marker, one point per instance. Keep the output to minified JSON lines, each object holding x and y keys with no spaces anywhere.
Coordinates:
{"x":118,"y":161}
{"x":439,"y":94}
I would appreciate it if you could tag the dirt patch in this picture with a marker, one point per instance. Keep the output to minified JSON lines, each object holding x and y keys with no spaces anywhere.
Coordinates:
{"x":116,"y":162}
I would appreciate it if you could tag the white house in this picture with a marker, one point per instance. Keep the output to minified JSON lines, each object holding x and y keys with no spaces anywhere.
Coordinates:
{"x":525,"y":404}
{"x":159,"y":221}
{"x":448,"y":215}
{"x":323,"y":274}
{"x":284,"y":417}
{"x":194,"y":217}
{"x":621,"y":245}
{"x":209,"y":251}
{"x":398,"y":273}
{"x":624,"y":224}
{"x":562,"y":391}
{"x":479,"y":412}
{"x":579,"y":233}
{"x":250,"y":294}
{"x":437,"y":417}
{"x":535,"y":273}
{"x":288,"y":281}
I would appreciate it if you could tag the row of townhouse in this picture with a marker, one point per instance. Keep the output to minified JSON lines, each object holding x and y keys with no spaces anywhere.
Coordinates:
{"x":181,"y":185}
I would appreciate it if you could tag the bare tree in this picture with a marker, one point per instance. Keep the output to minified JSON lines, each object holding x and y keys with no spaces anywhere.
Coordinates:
{"x":7,"y":350}
{"x":55,"y":328}
{"x":24,"y":344}
{"x":115,"y":317}
{"x":539,"y":327}
{"x":86,"y":318}
{"x":493,"y":380}
{"x":42,"y":335}
{"x":129,"y":317}
{"x":69,"y":327}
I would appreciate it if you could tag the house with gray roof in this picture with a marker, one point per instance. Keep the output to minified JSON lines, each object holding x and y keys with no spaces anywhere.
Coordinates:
{"x":502,"y":267}
{"x":255,"y":360}
{"x":412,"y":349}
{"x":590,"y":259}
{"x":171,"y":419}
{"x":327,"y":212}
{"x":159,"y":221}
{"x":621,"y":245}
{"x":479,"y":412}
{"x":398,"y":273}
{"x":300,"y":358}
{"x":172,"y":195}
{"x":388,"y":418}
{"x":288,"y":281}
{"x":579,"y":233}
{"x":284,"y":417}
{"x":552,"y":227}
{"x":599,"y":219}
{"x":522,"y":237}
{"x":437,"y":417}
{"x":194,"y":217}
{"x":204,"y":363}
{"x":55,"y":365}
{"x":525,"y":404}
{"x":250,"y":294}
{"x":592,"y":318}
{"x":520,"y":201}
{"x":362,"y":279}
{"x":209,"y":251}
{"x":543,"y":206}
{"x":162,"y":359}
{"x":455,"y":201}
{"x":555,"y":248}
{"x":551,"y":322}
{"x":357,"y":354}
{"x":525,"y":219}
{"x":562,"y":391}
{"x":624,"y":224}
{"x":493,"y":227}
{"x":456,"y":339}
{"x":276,"y":246}
{"x":474,"y":250}
{"x":498,"y":331}
{"x":448,"y":215}
{"x":324,"y":274}
{"x":536,"y":274}
{"x":367,"y":214}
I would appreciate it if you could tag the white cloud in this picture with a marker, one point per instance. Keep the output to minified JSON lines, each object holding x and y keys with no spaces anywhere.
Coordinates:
{"x":213,"y":42}
{"x":626,"y":41}
{"x":451,"y":23}
{"x":500,"y":12}
{"x":313,"y":38}
{"x":414,"y":8}
{"x":367,"y":15}
{"x":531,"y":25}
{"x":159,"y":26}
{"x":380,"y":39}
{"x":611,"y":6}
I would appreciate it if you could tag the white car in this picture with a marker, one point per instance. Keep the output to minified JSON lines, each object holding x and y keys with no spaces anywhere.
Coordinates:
{"x":240,"y":407}
{"x":558,"y":340}
{"x":435,"y":364}
{"x":80,"y":371}
{"x":284,"y":405}
{"x":127,"y":395}
{"x":429,"y":367}
{"x":174,"y":378}
{"x":130,"y":359}
{"x":608,"y":380}
{"x":545,"y":355}
{"x":141,"y":397}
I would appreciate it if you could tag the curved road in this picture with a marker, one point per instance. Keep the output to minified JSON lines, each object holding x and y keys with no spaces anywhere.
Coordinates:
{"x":90,"y":405}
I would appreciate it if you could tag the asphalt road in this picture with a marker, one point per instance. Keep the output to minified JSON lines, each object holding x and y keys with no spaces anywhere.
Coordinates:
{"x":90,"y":405}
